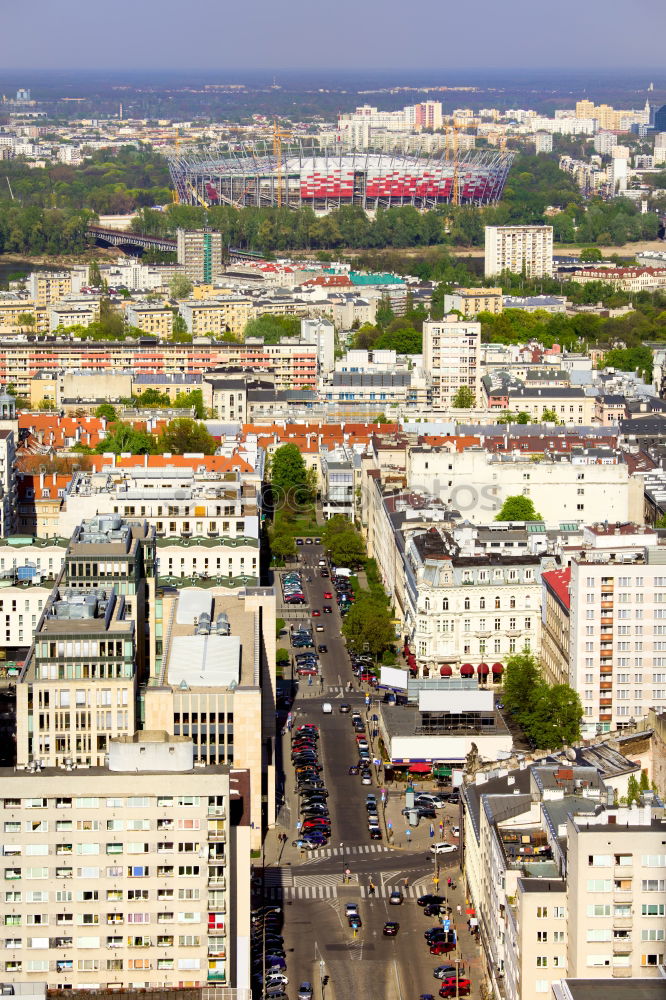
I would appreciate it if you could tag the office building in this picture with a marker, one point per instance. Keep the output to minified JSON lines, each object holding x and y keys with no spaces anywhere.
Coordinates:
{"x":451,"y":358}
{"x":201,"y":254}
{"x":524,"y":250}
{"x":127,"y":875}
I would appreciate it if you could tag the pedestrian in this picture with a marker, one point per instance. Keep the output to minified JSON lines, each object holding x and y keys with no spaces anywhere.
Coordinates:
{"x":459,"y":908}
{"x":371,"y":889}
{"x":405,"y":882}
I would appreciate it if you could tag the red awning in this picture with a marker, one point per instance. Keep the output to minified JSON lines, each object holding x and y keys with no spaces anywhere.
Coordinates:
{"x":445,"y":670}
{"x":467,"y":670}
{"x":498,"y":668}
{"x":420,"y":768}
{"x":482,"y":669}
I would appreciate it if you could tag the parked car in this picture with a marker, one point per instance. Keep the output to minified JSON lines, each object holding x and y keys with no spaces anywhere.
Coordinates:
{"x":452,"y":989}
{"x":443,"y":848}
{"x":429,"y":898}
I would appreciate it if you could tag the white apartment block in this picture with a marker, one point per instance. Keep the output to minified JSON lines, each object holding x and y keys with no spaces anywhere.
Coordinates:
{"x":451,"y":354}
{"x":618,"y":625}
{"x":476,"y":483}
{"x":520,"y":249}
{"x":563,"y":882}
{"x":127,"y":876}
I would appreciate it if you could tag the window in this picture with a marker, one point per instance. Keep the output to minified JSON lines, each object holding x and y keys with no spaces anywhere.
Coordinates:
{"x":599,"y":885}
{"x":652,"y":934}
{"x":137,"y":871}
{"x":598,"y":961}
{"x":599,"y":934}
{"x":599,"y":910}
{"x":542,"y":936}
{"x":542,"y":986}
{"x":542,"y":961}
{"x":653,"y":885}
{"x":653,"y":860}
{"x":542,"y":911}
{"x":558,"y":937}
{"x":652,"y":960}
{"x":600,"y":860}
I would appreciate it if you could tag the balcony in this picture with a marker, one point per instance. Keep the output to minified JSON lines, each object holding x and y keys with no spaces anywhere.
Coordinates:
{"x":622,"y":946}
{"x":622,"y":895}
{"x":217,"y":836}
{"x":606,"y":654}
{"x":218,"y":811}
{"x":605,"y":685}
{"x":606,"y":605}
{"x":621,"y":972}
{"x":605,"y":717}
{"x":606,"y":702}
{"x":606,"y":619}
{"x":622,"y":923}
{"x":217,"y":882}
{"x":606,"y":668}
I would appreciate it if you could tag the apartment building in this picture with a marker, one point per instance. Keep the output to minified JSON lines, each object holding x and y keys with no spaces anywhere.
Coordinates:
{"x":524,"y":250}
{"x":64,"y":314}
{"x":570,"y":405}
{"x":471,"y":301}
{"x":451,"y":349}
{"x":216,"y":316}
{"x":563,"y":881}
{"x":200,"y":252}
{"x":13,"y":313}
{"x":563,"y":487}
{"x":8,"y":482}
{"x":48,"y":287}
{"x":150,"y":317}
{"x":611,"y":600}
{"x":129,"y":875}
{"x":294,"y":364}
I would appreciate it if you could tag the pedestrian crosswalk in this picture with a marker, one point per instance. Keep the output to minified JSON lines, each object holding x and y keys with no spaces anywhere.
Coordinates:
{"x":277,"y":877}
{"x":343,"y":852}
{"x":327,"y":887}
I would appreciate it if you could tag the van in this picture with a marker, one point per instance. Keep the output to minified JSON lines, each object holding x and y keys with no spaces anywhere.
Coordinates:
{"x":327,"y":708}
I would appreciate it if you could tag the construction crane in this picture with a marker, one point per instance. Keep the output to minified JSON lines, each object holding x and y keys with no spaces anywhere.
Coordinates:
{"x":278,"y":135}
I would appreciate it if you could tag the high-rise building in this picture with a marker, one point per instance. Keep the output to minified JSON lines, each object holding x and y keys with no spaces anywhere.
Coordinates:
{"x":524,"y":250}
{"x":133,"y":874}
{"x":660,"y":119}
{"x":451,"y":350}
{"x":543,"y":142}
{"x":602,"y":629}
{"x":201,"y":253}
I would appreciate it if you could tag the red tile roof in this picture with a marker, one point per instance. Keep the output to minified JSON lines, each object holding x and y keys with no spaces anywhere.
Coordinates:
{"x":559,"y":582}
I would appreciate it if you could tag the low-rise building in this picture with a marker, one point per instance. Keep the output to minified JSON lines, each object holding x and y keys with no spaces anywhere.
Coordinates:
{"x":472,"y":301}
{"x":150,"y":317}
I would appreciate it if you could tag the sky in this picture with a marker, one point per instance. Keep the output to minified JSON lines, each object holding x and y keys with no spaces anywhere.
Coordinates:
{"x":332,"y":34}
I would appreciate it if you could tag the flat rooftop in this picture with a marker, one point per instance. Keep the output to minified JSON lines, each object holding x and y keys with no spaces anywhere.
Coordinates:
{"x":610,"y":989}
{"x":213,"y":660}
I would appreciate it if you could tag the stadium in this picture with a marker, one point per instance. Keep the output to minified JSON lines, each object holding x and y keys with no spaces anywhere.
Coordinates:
{"x":300,"y":173}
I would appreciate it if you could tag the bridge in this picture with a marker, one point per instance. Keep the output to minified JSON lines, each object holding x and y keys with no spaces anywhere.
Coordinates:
{"x":130,"y":243}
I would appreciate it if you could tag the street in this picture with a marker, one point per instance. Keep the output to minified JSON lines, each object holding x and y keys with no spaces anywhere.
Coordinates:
{"x":318,"y":940}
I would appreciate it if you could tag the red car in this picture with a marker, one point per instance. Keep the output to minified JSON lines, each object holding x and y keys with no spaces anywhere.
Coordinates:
{"x":316,"y":613}
{"x":449,"y":988}
{"x":442,"y":947}
{"x":328,"y":596}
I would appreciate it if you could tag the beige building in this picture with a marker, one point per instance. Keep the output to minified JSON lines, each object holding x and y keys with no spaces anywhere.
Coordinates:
{"x":49,"y":287}
{"x":65,"y":314}
{"x":556,"y":630}
{"x":451,"y":349}
{"x":570,"y":405}
{"x":13,"y":311}
{"x":471,"y":301}
{"x":520,"y":249}
{"x":127,"y":876}
{"x":216,"y":316}
{"x":150,"y":317}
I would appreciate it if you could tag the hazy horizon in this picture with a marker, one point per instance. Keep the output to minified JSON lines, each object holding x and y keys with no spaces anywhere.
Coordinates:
{"x":159,"y":35}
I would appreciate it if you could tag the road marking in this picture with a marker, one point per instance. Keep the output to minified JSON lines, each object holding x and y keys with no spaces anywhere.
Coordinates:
{"x":335,"y":852}
{"x":384,"y":891}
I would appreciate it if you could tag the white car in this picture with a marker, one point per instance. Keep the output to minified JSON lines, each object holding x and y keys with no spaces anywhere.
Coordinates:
{"x":351,"y":910}
{"x":455,"y":830}
{"x":275,"y":978}
{"x":426,"y":799}
{"x":442,"y":848}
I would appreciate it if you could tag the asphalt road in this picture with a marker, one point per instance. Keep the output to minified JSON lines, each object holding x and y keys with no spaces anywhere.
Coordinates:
{"x":318,"y":940}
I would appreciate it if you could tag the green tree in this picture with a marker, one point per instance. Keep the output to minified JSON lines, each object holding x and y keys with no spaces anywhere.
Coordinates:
{"x":272,"y":329}
{"x":347,"y":548}
{"x":633,"y":790}
{"x":368,"y":626}
{"x":334,"y":526}
{"x":384,"y":313}
{"x":123,"y":437}
{"x":518,"y":508}
{"x":282,"y":657}
{"x":26,"y":319}
{"x":184,"y":435}
{"x":522,"y":681}
{"x":644,"y":783}
{"x":523,"y":418}
{"x":94,"y":275}
{"x":660,"y":522}
{"x":282,"y":545}
{"x":180,"y":286}
{"x":289,"y":479}
{"x":46,"y":405}
{"x":106,"y":411}
{"x":549,"y":416}
{"x":591,"y":254}
{"x":556,"y":717}
{"x":464,"y":398}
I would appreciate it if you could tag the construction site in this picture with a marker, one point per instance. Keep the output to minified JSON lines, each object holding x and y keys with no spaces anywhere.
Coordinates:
{"x":299,"y":172}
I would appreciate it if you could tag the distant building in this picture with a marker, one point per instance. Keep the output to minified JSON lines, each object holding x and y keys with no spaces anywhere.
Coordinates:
{"x":451,"y":350}
{"x":524,"y":250}
{"x":201,"y":253}
{"x":471,"y":301}
{"x":543,"y":142}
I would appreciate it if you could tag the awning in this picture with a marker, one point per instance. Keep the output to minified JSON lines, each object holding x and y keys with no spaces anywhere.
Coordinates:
{"x":498,"y":668}
{"x":445,"y":670}
{"x":467,"y":670}
{"x":420,"y":768}
{"x":482,"y":669}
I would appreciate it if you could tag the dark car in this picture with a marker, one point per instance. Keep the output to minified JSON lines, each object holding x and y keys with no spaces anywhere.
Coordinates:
{"x":391,"y":928}
{"x":327,"y":609}
{"x":355,"y":921}
{"x":429,"y":898}
{"x":436,"y":909}
{"x":323,"y":648}
{"x":375,"y":833}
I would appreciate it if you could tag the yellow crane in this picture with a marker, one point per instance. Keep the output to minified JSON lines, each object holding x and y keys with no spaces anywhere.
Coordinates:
{"x":278,"y":135}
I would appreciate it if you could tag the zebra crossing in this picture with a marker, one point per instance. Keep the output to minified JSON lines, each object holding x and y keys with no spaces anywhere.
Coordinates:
{"x":327,"y":887}
{"x":340,"y":852}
